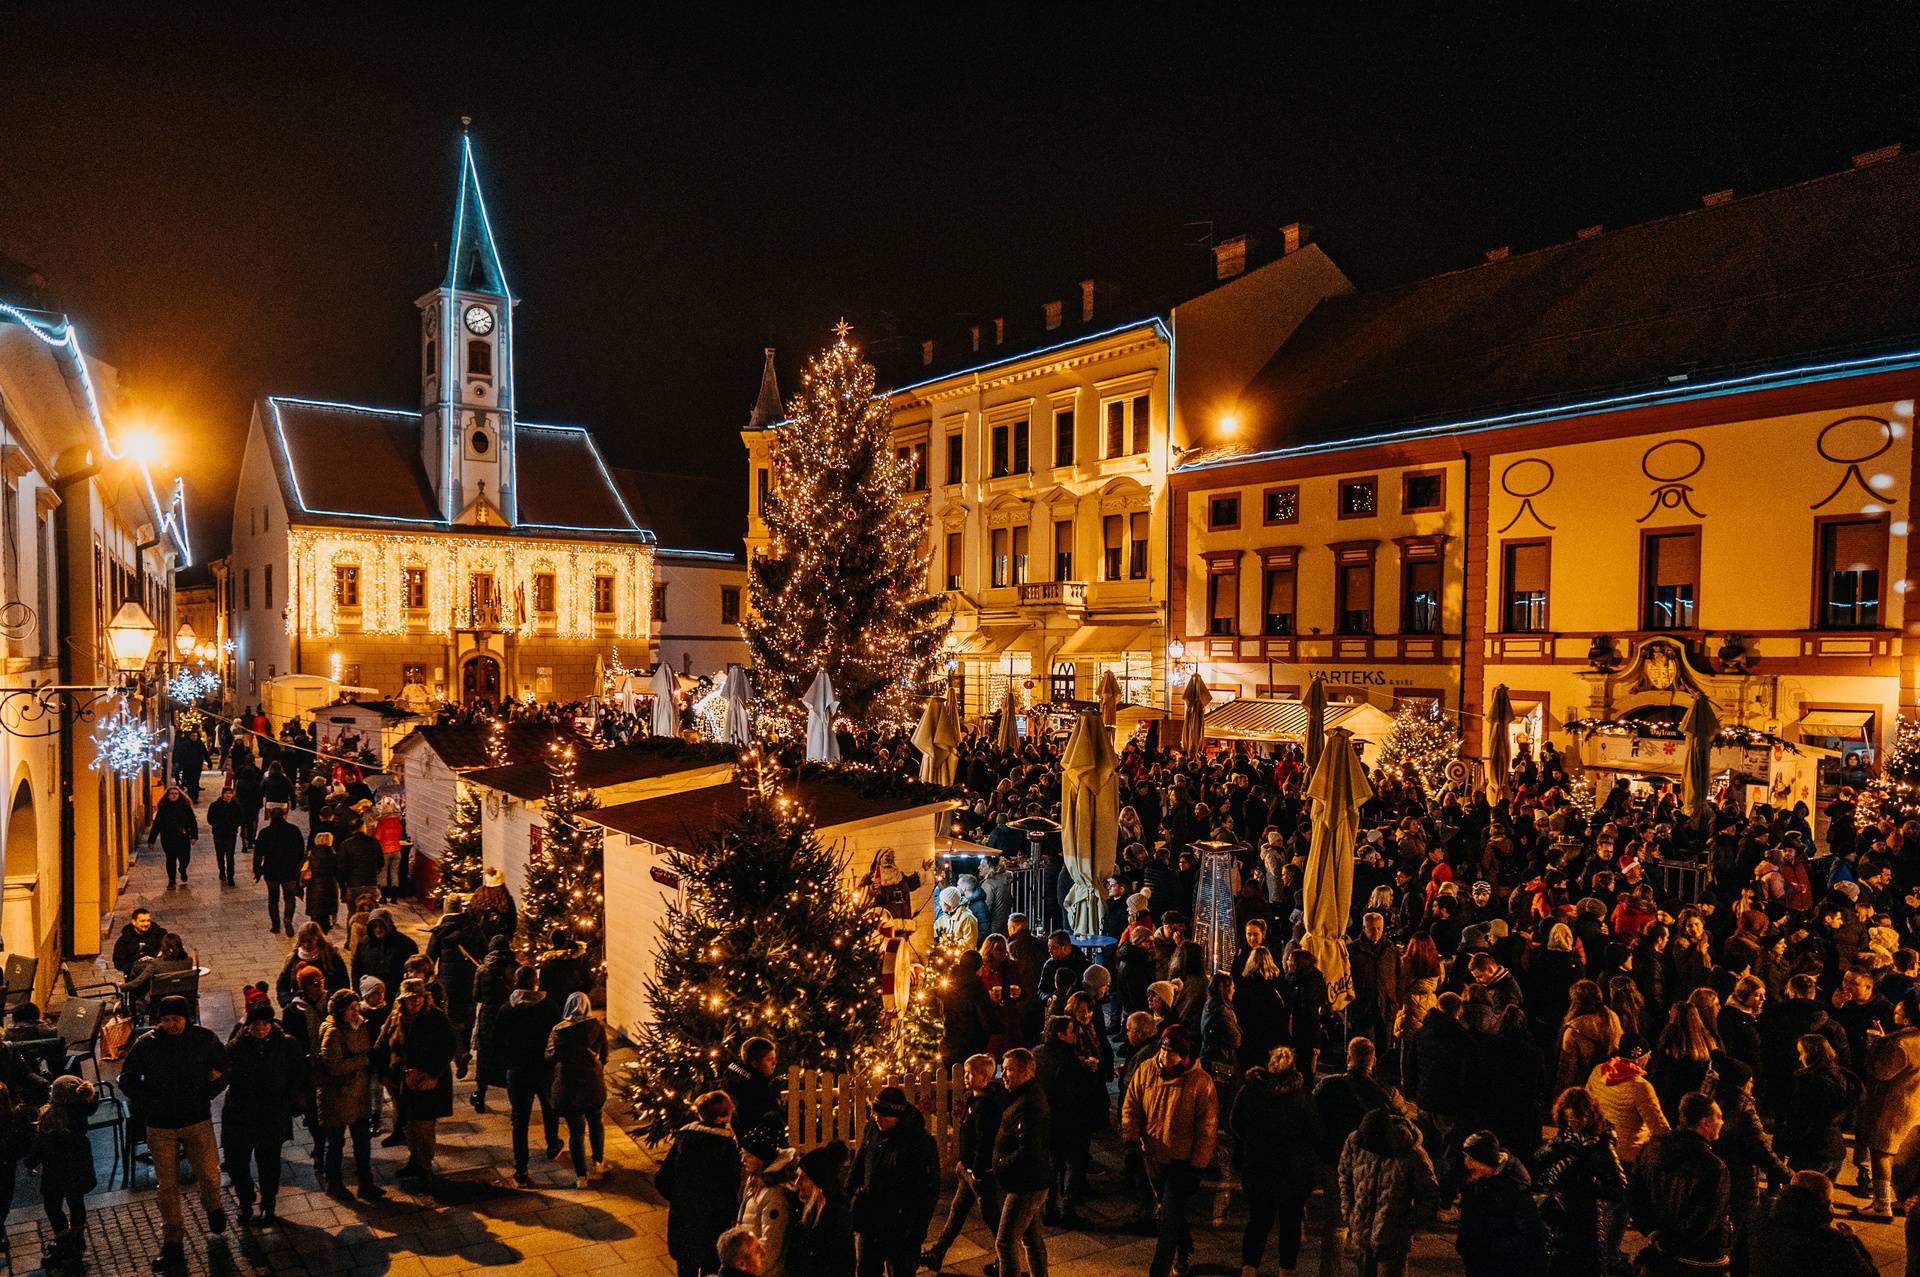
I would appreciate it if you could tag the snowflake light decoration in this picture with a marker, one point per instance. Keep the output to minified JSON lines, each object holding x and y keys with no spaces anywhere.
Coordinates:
{"x":124,"y":744}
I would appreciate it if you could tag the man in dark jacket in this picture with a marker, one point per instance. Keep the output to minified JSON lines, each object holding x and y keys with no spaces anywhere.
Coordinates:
{"x":519,"y":1040}
{"x":700,"y":1178}
{"x":1022,"y":1165}
{"x":1061,"y":956}
{"x":177,"y":828}
{"x":172,"y":1074}
{"x":751,"y":1084}
{"x":1434,"y":1069}
{"x":138,"y":939}
{"x":492,"y":986}
{"x":189,"y":760}
{"x":1375,"y":963}
{"x":267,"y":1079}
{"x":456,"y":944}
{"x":896,"y":1185}
{"x":1798,"y":1235}
{"x":1500,"y":1230}
{"x":223,"y":821}
{"x":279,"y":853}
{"x":1679,"y":1194}
{"x":1028,"y":954}
{"x":1343,"y":1099}
{"x":246,"y":792}
{"x":360,"y":861}
{"x":383,"y":951}
{"x":979,"y":1127}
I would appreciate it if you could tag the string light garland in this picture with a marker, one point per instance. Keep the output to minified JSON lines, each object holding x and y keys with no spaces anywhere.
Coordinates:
{"x":1421,"y":745}
{"x":1895,"y":793}
{"x":842,"y":585}
{"x":911,"y":1046}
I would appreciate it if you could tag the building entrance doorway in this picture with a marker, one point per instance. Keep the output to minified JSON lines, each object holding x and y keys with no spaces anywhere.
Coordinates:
{"x":480,"y":680}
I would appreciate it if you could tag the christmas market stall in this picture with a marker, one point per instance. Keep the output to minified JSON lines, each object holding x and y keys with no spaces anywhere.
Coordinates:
{"x":884,"y":840}
{"x":1746,"y":765}
{"x":1275,"y":721}
{"x":377,"y":726}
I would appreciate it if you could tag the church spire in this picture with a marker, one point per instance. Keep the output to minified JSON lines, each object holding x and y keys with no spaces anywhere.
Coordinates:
{"x":767,"y":409}
{"x":473,"y":262}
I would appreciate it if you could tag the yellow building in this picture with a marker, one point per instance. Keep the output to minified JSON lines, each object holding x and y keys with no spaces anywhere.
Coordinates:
{"x":1675,"y":457}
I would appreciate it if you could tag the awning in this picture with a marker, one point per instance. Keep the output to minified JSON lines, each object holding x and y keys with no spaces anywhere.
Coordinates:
{"x":1108,"y":642}
{"x":1840,"y":724}
{"x":1261,"y":718}
{"x":990,"y":640}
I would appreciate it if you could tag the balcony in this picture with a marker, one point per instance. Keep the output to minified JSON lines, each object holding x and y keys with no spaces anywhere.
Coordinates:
{"x":1043,"y":596}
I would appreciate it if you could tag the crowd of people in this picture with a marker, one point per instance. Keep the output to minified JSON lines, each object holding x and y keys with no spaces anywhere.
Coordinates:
{"x":1548,"y":1038}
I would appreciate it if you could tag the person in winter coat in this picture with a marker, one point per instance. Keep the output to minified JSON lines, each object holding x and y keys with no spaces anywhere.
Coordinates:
{"x":1626,"y":1099}
{"x":1020,"y":1165}
{"x":311,"y":948}
{"x":344,"y":1103}
{"x":1342,"y":1099}
{"x":1070,"y":1076}
{"x":359,"y":861}
{"x":1257,"y":1006}
{"x":1891,"y":1107}
{"x":223,"y":822}
{"x":456,"y":944}
{"x":1677,"y":1194}
{"x":1435,"y":1064}
{"x":1276,"y":1134}
{"x":267,"y":1083}
{"x":172,"y":1074}
{"x":64,"y":1157}
{"x":519,"y":1041}
{"x":493,"y":908}
{"x":1507,"y":1070}
{"x":753,"y":1084}
{"x":1305,"y":992}
{"x":1375,"y":963}
{"x":955,"y":923}
{"x":177,"y":829}
{"x":1590,"y":1032}
{"x":138,"y":939}
{"x":975,"y":1183}
{"x":1798,"y":1235}
{"x":577,"y":1050}
{"x":323,"y":882}
{"x":1220,"y":1036}
{"x":967,"y":1015}
{"x":1386,"y":1182}
{"x":896,"y":1185}
{"x":383,"y":951}
{"x":1172,"y":1112}
{"x":1580,"y":1175}
{"x":767,"y":1203}
{"x":700,"y":1178}
{"x":821,"y":1241}
{"x":1819,"y":1103}
{"x":1745,"y":1148}
{"x":279,"y":853}
{"x":420,"y":1045}
{"x":492,"y":986}
{"x":1500,"y":1230}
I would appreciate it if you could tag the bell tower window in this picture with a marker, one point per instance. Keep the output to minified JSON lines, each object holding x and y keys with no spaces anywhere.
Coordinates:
{"x":479,"y":358}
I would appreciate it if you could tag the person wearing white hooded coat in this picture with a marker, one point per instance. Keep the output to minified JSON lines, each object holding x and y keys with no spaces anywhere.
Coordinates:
{"x":955,"y":922}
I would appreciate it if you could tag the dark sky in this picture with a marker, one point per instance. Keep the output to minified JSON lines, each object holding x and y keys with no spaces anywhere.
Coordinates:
{"x":232,"y":206}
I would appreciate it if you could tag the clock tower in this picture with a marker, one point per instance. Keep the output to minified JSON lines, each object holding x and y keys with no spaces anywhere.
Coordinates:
{"x":466,"y":370}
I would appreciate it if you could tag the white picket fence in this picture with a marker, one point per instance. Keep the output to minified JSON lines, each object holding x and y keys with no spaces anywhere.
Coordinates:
{"x":823,"y":1107}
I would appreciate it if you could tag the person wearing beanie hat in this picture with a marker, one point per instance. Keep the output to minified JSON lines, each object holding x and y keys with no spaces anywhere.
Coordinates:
{"x":492,"y":986}
{"x":821,"y":1239}
{"x":700,"y":1178}
{"x":1172,"y":1113}
{"x":767,"y":1204}
{"x":1501,"y":1233}
{"x":266,"y":1085}
{"x":895,"y":1184}
{"x":1161,"y":995}
{"x":520,"y":1031}
{"x":172,"y":1073}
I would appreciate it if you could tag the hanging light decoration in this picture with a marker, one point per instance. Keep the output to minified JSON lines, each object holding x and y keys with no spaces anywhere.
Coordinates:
{"x":124,"y":744}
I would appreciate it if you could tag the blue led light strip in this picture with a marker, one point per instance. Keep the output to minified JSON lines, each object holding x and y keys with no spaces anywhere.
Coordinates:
{"x":1833,"y":370}
{"x":605,"y":476}
{"x":171,"y":518}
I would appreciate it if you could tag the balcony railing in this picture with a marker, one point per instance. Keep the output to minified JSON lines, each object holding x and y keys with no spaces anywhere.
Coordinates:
{"x":1071,"y":594}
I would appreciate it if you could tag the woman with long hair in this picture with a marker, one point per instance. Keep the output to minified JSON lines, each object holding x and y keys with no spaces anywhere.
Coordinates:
{"x":1589,"y":1034}
{"x":311,"y":947}
{"x":1681,"y":1057}
{"x":1627,"y":1002}
{"x":1580,"y":1174}
{"x":1262,"y":1011}
{"x":1420,"y":968}
{"x":1818,"y":1108}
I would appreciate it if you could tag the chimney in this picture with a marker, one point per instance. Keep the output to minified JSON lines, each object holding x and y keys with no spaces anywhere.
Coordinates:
{"x":1086,"y":300}
{"x":1589,"y":232}
{"x":975,"y":330}
{"x":1498,"y":254}
{"x":1053,"y":310}
{"x":1293,"y":236}
{"x":1714,"y":199}
{"x":926,"y":352}
{"x":1230,"y":257}
{"x":1875,"y":156}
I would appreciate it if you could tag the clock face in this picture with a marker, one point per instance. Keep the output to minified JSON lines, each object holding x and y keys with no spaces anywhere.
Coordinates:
{"x":479,"y":320}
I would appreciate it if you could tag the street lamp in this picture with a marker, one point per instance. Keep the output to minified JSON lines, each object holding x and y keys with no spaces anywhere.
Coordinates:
{"x":183,"y":640}
{"x":130,"y":636}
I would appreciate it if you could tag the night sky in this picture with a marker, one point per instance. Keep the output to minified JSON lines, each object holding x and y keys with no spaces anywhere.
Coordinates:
{"x":231,"y":207}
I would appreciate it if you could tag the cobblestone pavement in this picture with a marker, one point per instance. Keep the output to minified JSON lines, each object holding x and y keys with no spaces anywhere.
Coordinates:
{"x":476,"y":1220}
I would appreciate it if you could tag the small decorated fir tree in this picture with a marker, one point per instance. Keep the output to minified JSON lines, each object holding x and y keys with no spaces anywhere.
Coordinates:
{"x":911,"y":1046}
{"x":1895,"y":792}
{"x":565,"y":886}
{"x":842,"y":585}
{"x":1421,"y":745}
{"x":769,"y":943}
{"x":460,"y":865}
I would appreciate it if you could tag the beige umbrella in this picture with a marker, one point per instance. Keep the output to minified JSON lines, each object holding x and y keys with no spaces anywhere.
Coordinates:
{"x":1009,"y":731}
{"x":1701,"y":725}
{"x":1109,"y":698}
{"x":1316,"y":721}
{"x":822,"y":704}
{"x":1089,"y":817}
{"x":1193,"y":727}
{"x":937,"y":736}
{"x":666,"y":712}
{"x":1336,"y":788}
{"x":739,"y":696}
{"x":1500,"y":746}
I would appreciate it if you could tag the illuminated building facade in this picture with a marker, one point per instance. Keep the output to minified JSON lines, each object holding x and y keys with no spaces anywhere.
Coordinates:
{"x":452,"y":551}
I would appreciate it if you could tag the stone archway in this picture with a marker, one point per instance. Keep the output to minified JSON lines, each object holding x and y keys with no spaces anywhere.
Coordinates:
{"x":19,"y":915}
{"x":480,"y":680}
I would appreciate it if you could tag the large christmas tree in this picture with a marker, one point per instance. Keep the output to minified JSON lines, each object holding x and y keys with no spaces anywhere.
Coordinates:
{"x":768,"y":943}
{"x":565,"y":886}
{"x":1420,"y":745}
{"x":1895,"y":793}
{"x":843,"y":584}
{"x":460,"y":867}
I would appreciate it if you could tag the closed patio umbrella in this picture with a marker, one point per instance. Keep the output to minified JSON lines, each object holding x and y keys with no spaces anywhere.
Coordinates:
{"x":1316,"y":721}
{"x":1336,"y":788}
{"x":1499,"y":746}
{"x":1109,"y":698}
{"x":1701,"y":725}
{"x":1009,"y":739}
{"x":666,"y":713}
{"x":1089,"y":817}
{"x":937,"y":737}
{"x":1193,"y":727}
{"x":822,"y":745}
{"x":739,"y":697}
